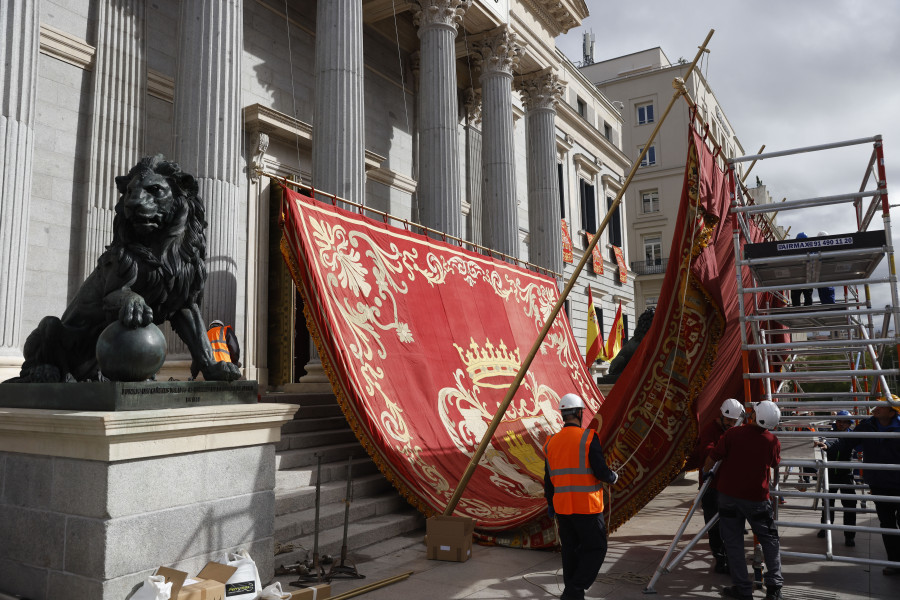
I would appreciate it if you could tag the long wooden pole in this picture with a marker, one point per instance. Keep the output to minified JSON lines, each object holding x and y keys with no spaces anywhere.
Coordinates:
{"x":498,"y":416}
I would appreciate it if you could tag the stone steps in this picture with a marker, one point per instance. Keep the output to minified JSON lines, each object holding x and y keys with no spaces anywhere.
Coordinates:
{"x":377,"y":513}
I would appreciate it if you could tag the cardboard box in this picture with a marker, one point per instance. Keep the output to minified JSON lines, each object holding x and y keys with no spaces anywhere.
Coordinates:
{"x":209,"y":584}
{"x":315,"y":592}
{"x":449,"y":538}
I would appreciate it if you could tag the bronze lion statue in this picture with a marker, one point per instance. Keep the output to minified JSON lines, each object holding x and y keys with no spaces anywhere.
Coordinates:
{"x":153,"y":271}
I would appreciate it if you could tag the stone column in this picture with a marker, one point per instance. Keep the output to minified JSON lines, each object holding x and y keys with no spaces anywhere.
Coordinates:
{"x":338,"y":153}
{"x":120,"y":89}
{"x":497,"y":56}
{"x":540,"y":93}
{"x":473,"y":163}
{"x":208,"y":138}
{"x":19,"y":43}
{"x":440,"y":203}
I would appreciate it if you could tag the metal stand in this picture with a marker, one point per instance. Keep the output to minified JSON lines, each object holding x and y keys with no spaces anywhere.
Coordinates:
{"x":314,"y":572}
{"x":343,"y":569}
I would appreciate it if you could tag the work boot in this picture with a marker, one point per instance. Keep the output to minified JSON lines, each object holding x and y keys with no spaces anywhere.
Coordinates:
{"x":721,"y":565}
{"x":849,"y":541}
{"x":821,"y":533}
{"x":735,"y":592}
{"x":774,"y":593}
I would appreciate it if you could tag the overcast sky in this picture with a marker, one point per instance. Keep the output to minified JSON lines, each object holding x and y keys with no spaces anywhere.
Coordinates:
{"x":788,"y":74}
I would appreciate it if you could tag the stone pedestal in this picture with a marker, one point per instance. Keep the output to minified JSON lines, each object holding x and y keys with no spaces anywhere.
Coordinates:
{"x":91,"y":503}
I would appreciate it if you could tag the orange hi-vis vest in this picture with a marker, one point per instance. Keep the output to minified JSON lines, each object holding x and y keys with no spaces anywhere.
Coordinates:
{"x":216,"y":337}
{"x":575,"y":488}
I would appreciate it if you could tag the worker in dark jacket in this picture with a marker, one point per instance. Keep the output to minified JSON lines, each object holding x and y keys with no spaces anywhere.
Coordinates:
{"x":224,"y":344}
{"x":840,"y":480}
{"x":731,"y":412}
{"x":574,"y":471}
{"x":884,"y":450}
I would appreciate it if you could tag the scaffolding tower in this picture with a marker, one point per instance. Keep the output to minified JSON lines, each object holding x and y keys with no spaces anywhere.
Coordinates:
{"x":788,"y":344}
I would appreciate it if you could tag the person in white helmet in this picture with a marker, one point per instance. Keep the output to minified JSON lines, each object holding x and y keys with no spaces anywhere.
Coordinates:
{"x":826,"y":294}
{"x":574,"y":471}
{"x":748,"y":454}
{"x":730,"y":413}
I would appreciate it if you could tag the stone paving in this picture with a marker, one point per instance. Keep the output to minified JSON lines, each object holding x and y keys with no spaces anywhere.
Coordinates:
{"x":635,"y":551}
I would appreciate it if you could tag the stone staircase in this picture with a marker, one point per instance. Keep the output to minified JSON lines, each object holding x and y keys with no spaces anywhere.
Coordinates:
{"x":377,"y":512}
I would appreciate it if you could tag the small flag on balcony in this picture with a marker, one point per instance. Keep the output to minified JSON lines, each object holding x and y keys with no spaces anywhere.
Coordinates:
{"x":567,"y":243}
{"x":594,"y":339}
{"x":620,"y":260}
{"x":596,"y":255}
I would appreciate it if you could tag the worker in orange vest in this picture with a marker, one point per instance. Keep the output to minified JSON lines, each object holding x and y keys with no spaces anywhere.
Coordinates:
{"x":574,"y":471}
{"x":224,"y":344}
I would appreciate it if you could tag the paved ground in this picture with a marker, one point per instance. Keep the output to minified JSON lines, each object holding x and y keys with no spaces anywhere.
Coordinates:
{"x":635,"y":551}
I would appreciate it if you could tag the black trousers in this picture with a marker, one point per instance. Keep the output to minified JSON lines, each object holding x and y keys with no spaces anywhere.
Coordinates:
{"x":710,"y":504}
{"x":849,"y":516}
{"x":583,"y":540}
{"x":889,"y":518}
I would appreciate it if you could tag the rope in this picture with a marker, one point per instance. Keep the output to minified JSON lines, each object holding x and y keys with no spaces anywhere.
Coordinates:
{"x":287,"y":25}
{"x":400,"y":61}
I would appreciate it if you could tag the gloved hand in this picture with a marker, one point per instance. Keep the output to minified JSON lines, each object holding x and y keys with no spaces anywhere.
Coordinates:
{"x":615,"y":478}
{"x":550,"y":512}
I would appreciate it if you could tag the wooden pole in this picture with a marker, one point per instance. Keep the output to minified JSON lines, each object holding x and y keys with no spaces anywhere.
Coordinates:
{"x":514,"y":386}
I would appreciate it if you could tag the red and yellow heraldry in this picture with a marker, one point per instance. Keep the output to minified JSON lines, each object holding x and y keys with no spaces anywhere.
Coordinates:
{"x":421,"y":340}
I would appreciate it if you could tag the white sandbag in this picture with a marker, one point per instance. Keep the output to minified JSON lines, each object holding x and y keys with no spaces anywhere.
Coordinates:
{"x":244,"y":584}
{"x":274,"y":592}
{"x":154,"y":588}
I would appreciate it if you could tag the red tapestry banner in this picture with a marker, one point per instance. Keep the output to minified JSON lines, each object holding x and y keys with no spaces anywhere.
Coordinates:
{"x":690,"y":357}
{"x":620,"y":261}
{"x":420,"y":340}
{"x":596,"y":255}
{"x":567,"y":244}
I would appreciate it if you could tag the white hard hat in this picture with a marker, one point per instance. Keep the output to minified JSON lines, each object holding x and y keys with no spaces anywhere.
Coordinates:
{"x":732,"y":409}
{"x":767,"y":414}
{"x":216,"y":323}
{"x":570,"y":402}
{"x":822,"y":233}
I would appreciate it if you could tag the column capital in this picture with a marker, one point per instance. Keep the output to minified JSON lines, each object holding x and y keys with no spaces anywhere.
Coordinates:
{"x":446,"y":13}
{"x":540,"y":90}
{"x":472,"y":104}
{"x":498,"y":53}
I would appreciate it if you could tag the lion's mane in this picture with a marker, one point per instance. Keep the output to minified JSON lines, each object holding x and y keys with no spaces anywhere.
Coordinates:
{"x":175,"y":278}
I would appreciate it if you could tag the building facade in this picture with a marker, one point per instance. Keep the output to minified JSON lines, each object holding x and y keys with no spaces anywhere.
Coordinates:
{"x":640,"y":85}
{"x":459,"y":115}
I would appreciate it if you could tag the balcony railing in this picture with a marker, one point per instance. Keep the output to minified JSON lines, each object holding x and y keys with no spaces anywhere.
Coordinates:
{"x":649,"y":267}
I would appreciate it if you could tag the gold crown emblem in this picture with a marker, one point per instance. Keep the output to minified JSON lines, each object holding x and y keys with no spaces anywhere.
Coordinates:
{"x":486,"y":365}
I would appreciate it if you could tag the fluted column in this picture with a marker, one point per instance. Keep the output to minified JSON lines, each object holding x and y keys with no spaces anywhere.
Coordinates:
{"x":208,"y":137}
{"x":440,"y":203}
{"x":120,"y":87}
{"x":472,"y":105}
{"x":338,"y":153}
{"x":497,"y":56}
{"x":19,"y":40}
{"x":540,"y":93}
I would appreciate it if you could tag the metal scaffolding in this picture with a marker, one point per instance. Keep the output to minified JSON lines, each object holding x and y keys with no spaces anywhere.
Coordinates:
{"x":788,"y":344}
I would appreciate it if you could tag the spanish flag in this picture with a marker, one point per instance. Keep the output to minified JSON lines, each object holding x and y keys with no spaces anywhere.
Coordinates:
{"x":594,"y":340}
{"x":616,"y":334}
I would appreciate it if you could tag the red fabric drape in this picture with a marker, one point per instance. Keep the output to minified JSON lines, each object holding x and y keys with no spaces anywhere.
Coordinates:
{"x":421,"y":340}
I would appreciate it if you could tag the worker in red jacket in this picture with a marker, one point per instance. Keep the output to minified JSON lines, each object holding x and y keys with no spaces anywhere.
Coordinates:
{"x":748,"y":454}
{"x":731,"y":412}
{"x":574,"y":472}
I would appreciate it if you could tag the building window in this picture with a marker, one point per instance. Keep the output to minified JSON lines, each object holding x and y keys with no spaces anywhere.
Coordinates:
{"x":653,"y":249}
{"x":624,"y":328}
{"x":650,"y":201}
{"x":644,"y":113}
{"x":615,"y":228}
{"x":562,"y":191}
{"x":649,"y":158}
{"x":607,"y":131}
{"x":582,"y":107}
{"x":588,"y":207}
